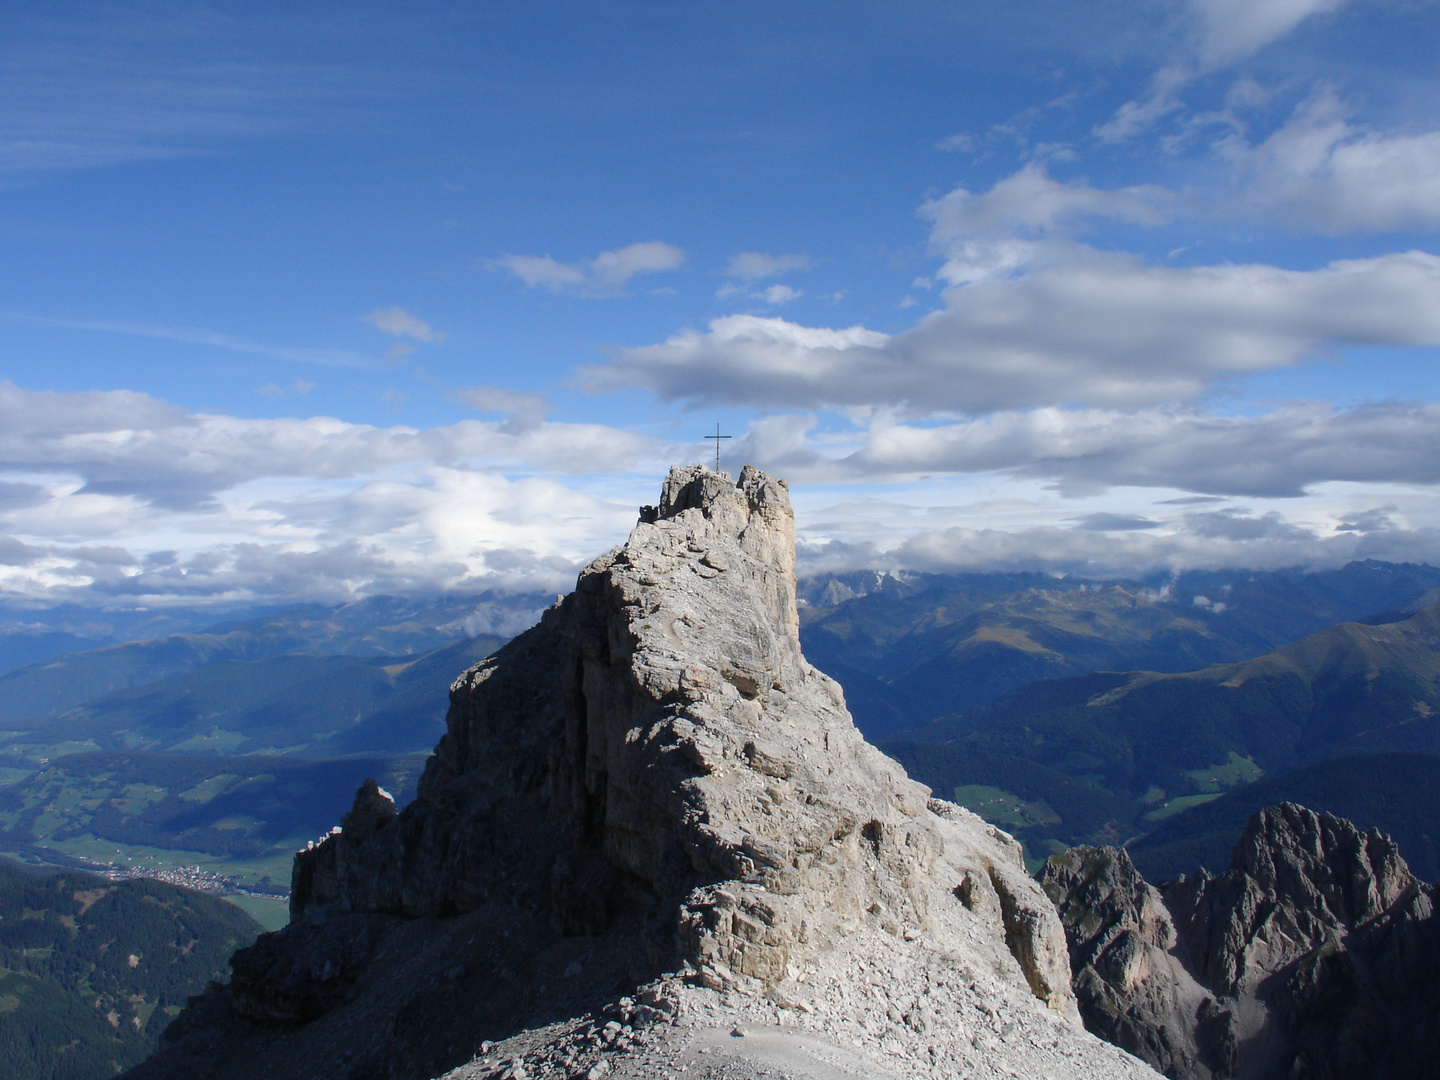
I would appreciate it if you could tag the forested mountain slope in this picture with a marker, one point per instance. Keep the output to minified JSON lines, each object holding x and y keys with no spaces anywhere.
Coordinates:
{"x":91,"y":971}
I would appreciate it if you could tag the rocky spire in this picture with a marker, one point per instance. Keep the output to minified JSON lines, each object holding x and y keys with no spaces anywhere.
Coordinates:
{"x":652,"y":787}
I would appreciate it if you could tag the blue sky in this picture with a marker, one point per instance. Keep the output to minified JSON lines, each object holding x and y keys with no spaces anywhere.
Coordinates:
{"x":313,"y":301}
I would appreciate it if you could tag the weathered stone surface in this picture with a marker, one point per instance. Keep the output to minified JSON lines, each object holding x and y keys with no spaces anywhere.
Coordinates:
{"x":1315,"y":955}
{"x":650,"y":788}
{"x":1132,"y":990}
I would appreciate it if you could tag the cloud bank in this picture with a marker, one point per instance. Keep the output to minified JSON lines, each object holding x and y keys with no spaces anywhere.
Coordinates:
{"x":116,"y":496}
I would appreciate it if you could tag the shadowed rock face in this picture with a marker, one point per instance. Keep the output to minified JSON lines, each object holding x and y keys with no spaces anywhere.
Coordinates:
{"x":1316,"y":954}
{"x":650,"y":784}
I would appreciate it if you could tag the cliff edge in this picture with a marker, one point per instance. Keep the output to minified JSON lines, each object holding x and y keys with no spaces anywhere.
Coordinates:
{"x":649,"y":821}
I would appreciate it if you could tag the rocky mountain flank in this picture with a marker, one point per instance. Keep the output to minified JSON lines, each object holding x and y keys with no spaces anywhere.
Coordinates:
{"x":652,"y":843}
{"x":1315,"y":955}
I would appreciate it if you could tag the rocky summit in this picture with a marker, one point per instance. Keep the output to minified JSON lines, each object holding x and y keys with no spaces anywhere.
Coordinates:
{"x":1314,"y":956}
{"x":652,"y":843}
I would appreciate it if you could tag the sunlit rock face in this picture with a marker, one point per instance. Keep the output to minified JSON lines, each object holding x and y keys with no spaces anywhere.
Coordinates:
{"x":651,"y":797}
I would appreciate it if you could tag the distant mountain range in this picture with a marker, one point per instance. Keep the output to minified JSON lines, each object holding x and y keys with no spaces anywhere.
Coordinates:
{"x":363,"y":677}
{"x":1104,"y":757}
{"x":231,"y":746}
{"x":1349,"y":689}
{"x":376,"y":626}
{"x":910,"y":647}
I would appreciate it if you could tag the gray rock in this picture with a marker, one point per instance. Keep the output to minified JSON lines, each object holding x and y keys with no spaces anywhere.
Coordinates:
{"x":1315,"y":955}
{"x":652,"y":793}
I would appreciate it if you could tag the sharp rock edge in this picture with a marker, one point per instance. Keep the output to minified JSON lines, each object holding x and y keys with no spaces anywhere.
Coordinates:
{"x":652,"y":842}
{"x":1314,"y":956}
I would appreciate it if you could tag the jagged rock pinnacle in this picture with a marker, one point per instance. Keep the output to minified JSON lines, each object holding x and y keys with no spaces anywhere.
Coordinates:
{"x":652,"y":789}
{"x":1314,"y":956}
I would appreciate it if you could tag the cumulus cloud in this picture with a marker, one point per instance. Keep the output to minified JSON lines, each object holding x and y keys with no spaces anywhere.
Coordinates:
{"x":1024,"y":219}
{"x":397,"y":322}
{"x":1283,"y":454}
{"x":541,"y":271}
{"x":1035,"y":317}
{"x":1322,"y":172}
{"x":120,"y":497}
{"x":780,"y":294}
{"x":605,"y":275}
{"x":1102,"y":329}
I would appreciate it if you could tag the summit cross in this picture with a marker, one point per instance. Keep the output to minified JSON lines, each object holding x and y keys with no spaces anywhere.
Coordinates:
{"x":717,"y":437}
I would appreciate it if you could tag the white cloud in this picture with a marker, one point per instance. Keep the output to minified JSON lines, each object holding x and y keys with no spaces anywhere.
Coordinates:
{"x":397,"y":322}
{"x":96,"y":483}
{"x":115,"y":496}
{"x":1099,"y":329}
{"x":525,"y":410}
{"x":613,"y":269}
{"x":605,"y":275}
{"x":1023,"y":217}
{"x":959,"y":141}
{"x":541,"y":271}
{"x":1322,"y":172}
{"x":1231,"y":30}
{"x":755,"y":265}
{"x":1161,"y":99}
{"x":1082,"y":451}
{"x":779,"y":294}
{"x":1124,"y":545}
{"x":126,"y":444}
{"x":1224,"y":33}
{"x":1265,"y":542}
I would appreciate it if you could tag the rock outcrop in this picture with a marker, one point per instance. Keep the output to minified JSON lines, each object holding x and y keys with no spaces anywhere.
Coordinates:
{"x":1315,"y":955}
{"x":650,"y":808}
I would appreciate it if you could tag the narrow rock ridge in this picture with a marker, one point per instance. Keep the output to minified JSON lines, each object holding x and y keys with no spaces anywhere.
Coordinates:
{"x":1316,"y":955}
{"x":650,"y":796}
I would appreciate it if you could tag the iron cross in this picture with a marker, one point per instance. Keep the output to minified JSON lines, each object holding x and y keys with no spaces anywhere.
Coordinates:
{"x":717,"y":437}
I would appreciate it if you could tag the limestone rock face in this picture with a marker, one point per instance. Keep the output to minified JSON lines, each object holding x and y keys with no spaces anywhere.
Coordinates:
{"x":1315,"y":955}
{"x":650,"y":788}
